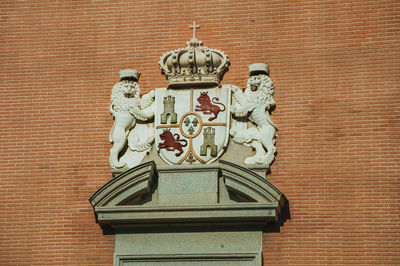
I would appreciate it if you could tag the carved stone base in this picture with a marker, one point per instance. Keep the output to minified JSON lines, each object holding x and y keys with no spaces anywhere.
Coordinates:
{"x":189,"y":215}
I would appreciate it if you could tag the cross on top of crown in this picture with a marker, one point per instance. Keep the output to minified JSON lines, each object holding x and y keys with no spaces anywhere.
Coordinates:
{"x":194,"y":27}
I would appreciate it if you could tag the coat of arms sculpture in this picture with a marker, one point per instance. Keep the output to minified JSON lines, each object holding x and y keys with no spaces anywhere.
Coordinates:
{"x":193,"y":120}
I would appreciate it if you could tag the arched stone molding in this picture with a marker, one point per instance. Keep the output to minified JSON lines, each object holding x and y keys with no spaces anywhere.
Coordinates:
{"x":219,"y":195}
{"x":135,"y":182}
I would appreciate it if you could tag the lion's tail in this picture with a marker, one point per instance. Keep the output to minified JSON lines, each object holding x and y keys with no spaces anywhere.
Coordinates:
{"x":215,"y":99}
{"x":184,"y":140}
{"x":178,"y":138}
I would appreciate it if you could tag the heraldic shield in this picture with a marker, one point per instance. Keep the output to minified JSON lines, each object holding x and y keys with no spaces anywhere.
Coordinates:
{"x":192,"y":124}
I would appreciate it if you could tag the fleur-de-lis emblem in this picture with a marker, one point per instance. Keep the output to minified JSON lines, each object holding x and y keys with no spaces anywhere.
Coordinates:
{"x":192,"y":124}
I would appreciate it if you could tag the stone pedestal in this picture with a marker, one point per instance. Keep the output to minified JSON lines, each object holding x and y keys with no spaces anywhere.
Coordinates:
{"x":188,"y":215}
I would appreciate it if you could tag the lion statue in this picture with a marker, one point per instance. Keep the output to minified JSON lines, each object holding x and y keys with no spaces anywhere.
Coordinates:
{"x":126,"y":108}
{"x":254,"y":105}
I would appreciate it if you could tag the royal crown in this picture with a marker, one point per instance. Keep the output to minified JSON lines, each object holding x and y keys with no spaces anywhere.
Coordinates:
{"x":195,"y":64}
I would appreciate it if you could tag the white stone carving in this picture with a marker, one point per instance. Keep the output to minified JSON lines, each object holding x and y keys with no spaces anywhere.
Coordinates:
{"x":190,"y":120}
{"x":194,"y":65}
{"x":131,"y":114}
{"x":252,"y":124}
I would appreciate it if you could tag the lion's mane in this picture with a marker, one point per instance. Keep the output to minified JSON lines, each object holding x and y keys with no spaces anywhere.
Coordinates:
{"x":119,"y":102}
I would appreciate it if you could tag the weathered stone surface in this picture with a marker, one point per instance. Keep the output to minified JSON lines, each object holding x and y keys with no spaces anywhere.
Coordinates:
{"x":189,"y":248}
{"x":171,"y":197}
{"x":187,"y":187}
{"x":188,"y":215}
{"x":133,"y":183}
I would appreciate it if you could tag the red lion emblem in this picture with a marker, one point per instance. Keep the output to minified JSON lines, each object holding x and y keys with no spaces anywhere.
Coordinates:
{"x":207,"y":107}
{"x":171,"y":142}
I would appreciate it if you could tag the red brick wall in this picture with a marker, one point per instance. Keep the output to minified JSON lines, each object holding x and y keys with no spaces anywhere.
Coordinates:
{"x":336,"y":67}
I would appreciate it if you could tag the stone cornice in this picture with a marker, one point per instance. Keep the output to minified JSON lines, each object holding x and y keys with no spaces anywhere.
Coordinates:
{"x":223,"y":194}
